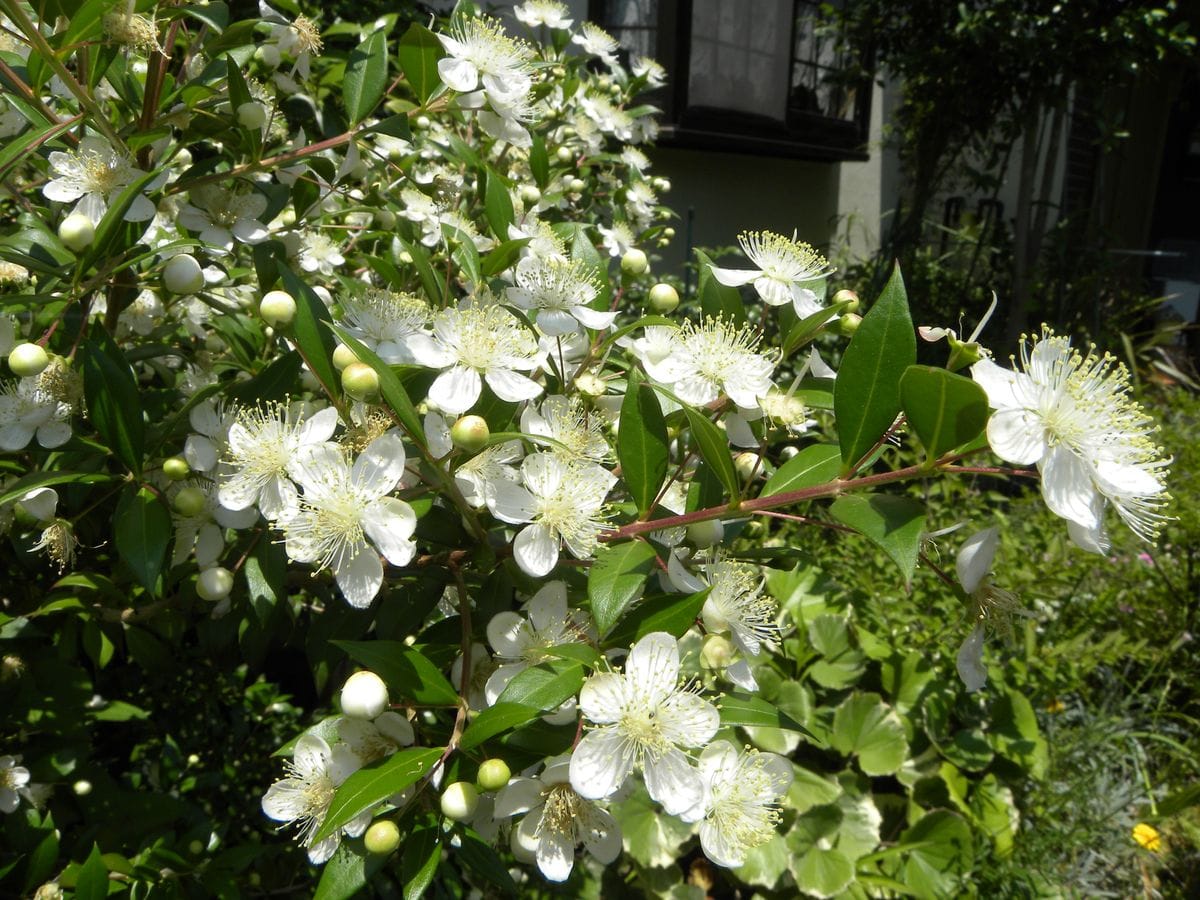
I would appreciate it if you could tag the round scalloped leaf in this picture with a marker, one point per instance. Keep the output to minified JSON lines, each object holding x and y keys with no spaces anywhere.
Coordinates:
{"x":866,"y":727}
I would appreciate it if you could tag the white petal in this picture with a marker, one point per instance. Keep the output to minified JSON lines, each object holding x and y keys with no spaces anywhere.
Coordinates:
{"x":555,"y":855}
{"x":511,"y":503}
{"x":360,"y":577}
{"x":1017,"y":435}
{"x":508,"y":633}
{"x":1093,"y":540}
{"x":40,"y":503}
{"x":200,"y":452}
{"x":499,"y":680}
{"x":511,"y":386}
{"x":319,"y":427}
{"x":672,"y":781}
{"x":548,"y":607}
{"x":719,"y":848}
{"x":456,"y":389}
{"x":593,"y":318}
{"x":380,"y":466}
{"x":773,"y":291}
{"x":395,"y":728}
{"x":603,"y":837}
{"x":458,"y":74}
{"x":1005,"y":389}
{"x":734,"y":277}
{"x":536,"y":550}
{"x":652,"y":667}
{"x":518,"y":796}
{"x":974,"y":560}
{"x":969,"y":661}
{"x":603,"y":696}
{"x":688,"y":719}
{"x":600,"y":764}
{"x":390,"y":523}
{"x":1067,"y":487}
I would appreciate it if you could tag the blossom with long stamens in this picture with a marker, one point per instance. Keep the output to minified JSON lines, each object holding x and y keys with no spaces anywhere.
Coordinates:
{"x":94,"y":174}
{"x":702,"y":362}
{"x":786,"y":270}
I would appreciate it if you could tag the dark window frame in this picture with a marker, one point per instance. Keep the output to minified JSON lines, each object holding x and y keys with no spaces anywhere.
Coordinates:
{"x":804,"y":134}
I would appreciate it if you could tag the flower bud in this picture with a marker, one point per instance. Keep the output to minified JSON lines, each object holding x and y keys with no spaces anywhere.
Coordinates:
{"x":214,"y":584}
{"x":634,"y":262}
{"x":660,"y":184}
{"x":182,"y":274}
{"x":252,"y":115}
{"x":663,"y":298}
{"x":717,"y":652}
{"x":847,"y":296}
{"x":529,"y":194}
{"x":361,"y":382}
{"x":268,"y":55}
{"x":847,"y":324}
{"x":277,"y":308}
{"x":385,"y":219}
{"x":176,"y":468}
{"x":470,"y":433}
{"x":668,"y":232}
{"x":82,"y":787}
{"x":190,"y":501}
{"x":382,"y":837}
{"x":493,"y":775}
{"x":590,"y":385}
{"x":564,"y":154}
{"x":364,"y":696}
{"x":576,"y":185}
{"x":422,"y":122}
{"x":27,"y":360}
{"x":77,"y":232}
{"x":343,"y":356}
{"x":703,"y":535}
{"x":459,"y":801}
{"x":747,"y":465}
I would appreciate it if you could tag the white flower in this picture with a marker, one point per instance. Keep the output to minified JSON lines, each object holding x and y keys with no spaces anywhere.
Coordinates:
{"x":477,"y":340}
{"x":384,"y":320}
{"x":477,"y":477}
{"x":557,"y":820}
{"x":222,"y":215}
{"x":12,"y":779}
{"x":740,"y":809}
{"x":94,"y":174}
{"x":565,"y":504}
{"x":561,"y":292}
{"x":27,"y":410}
{"x":650,"y":69}
{"x":212,"y":420}
{"x":521,"y":642}
{"x":619,"y":239}
{"x":264,"y":445}
{"x":643,"y":716}
{"x":598,"y":42}
{"x":575,"y":430}
{"x":787,"y":270}
{"x":479,"y":50}
{"x":300,"y":38}
{"x":1073,"y":416}
{"x":303,"y":797}
{"x":318,"y":253}
{"x":550,"y":13}
{"x":709,"y":359}
{"x":204,"y":533}
{"x":992,"y":605}
{"x":372,"y":739}
{"x":342,"y":506}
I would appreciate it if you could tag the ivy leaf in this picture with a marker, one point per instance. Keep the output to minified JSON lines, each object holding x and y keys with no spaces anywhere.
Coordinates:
{"x":815,"y":464}
{"x":945,"y":410}
{"x":141,"y":530}
{"x":642,"y":443}
{"x":419,"y":53}
{"x":375,"y":783}
{"x":618,"y":577}
{"x":894,"y":524}
{"x":866,"y":395}
{"x":866,"y":727}
{"x":940,"y":852}
{"x":366,"y":76}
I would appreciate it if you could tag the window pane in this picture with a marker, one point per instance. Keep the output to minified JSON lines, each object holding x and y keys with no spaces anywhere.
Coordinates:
{"x":741,"y":55}
{"x":633,"y":23}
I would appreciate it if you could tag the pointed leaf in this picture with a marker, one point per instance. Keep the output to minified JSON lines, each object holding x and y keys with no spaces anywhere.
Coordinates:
{"x":616,"y":579}
{"x":714,"y":448}
{"x":747,"y":709}
{"x":496,"y":719}
{"x":642,"y":443}
{"x":113,"y":400}
{"x":815,"y":464}
{"x":497,"y":205}
{"x":142,"y":529}
{"x":366,"y":77}
{"x":311,"y":331}
{"x":418,"y":55}
{"x":672,"y":613}
{"x":405,"y":671}
{"x":894,"y":524}
{"x":373,"y":784}
{"x":945,"y":410}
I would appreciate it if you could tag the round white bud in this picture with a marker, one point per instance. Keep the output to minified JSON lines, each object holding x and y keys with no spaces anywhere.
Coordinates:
{"x":76,"y":231}
{"x":364,"y":696}
{"x":277,"y":308}
{"x":361,"y":382}
{"x":252,"y":115}
{"x":663,"y":298}
{"x":214,"y":584}
{"x":634,"y":262}
{"x":459,"y":801}
{"x":27,"y":360}
{"x":182,"y":274}
{"x":343,"y":356}
{"x":703,"y":535}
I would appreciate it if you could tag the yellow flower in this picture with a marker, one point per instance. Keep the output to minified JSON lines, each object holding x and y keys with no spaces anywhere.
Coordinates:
{"x":1147,"y":836}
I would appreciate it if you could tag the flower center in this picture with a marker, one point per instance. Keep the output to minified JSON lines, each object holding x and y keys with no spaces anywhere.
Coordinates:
{"x":103,"y":176}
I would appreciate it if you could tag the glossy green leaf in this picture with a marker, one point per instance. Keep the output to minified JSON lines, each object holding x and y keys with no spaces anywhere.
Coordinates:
{"x":91,"y":883}
{"x":807,"y":328}
{"x":420,"y":857}
{"x":815,"y":464}
{"x":714,"y":449}
{"x":374,"y":783}
{"x":311,"y":331}
{"x":672,"y":613}
{"x":866,"y":727}
{"x":478,"y":856}
{"x":391,"y":389}
{"x":502,"y":256}
{"x":34,"y":480}
{"x":497,"y":719}
{"x":717,"y":300}
{"x":539,"y":161}
{"x":347,"y":872}
{"x":418,"y":55}
{"x":642,"y":443}
{"x":939,"y":852}
{"x":273,"y":383}
{"x":142,"y":530}
{"x":616,"y":579}
{"x":405,"y":671}
{"x":497,"y":205}
{"x":366,"y":76}
{"x":866,"y":396}
{"x":823,"y":872}
{"x":113,"y":400}
{"x":943,"y":409}
{"x":546,"y":686}
{"x":893,"y":523}
{"x":748,"y":709}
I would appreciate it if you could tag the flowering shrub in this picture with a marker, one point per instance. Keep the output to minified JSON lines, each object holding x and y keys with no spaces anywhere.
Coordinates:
{"x":332,"y":349}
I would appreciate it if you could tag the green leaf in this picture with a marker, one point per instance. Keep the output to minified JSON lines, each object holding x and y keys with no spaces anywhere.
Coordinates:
{"x":502,"y":256}
{"x":815,"y":464}
{"x":651,"y":838}
{"x":714,"y":449}
{"x":546,"y":686}
{"x":418,"y":55}
{"x":496,"y":719}
{"x":866,"y":727}
{"x":717,"y":300}
{"x":497,"y":205}
{"x":585,"y":654}
{"x":893,"y":523}
{"x":618,"y":577}
{"x":823,"y":872}
{"x":480,"y":858}
{"x":945,"y":410}
{"x":113,"y":400}
{"x":391,"y":389}
{"x":375,"y":783}
{"x":806,"y":329}
{"x":765,"y":864}
{"x":347,"y":872}
{"x":642,"y":443}
{"x":539,"y":162}
{"x":939,"y":851}
{"x":311,"y":331}
{"x":1015,"y":735}
{"x":841,"y":663}
{"x":747,"y":709}
{"x":366,"y":76}
{"x":33,"y":480}
{"x":405,"y":671}
{"x":272,"y":383}
{"x":419,"y":861}
{"x":671,"y":613}
{"x":142,"y":530}
{"x":866,"y":396}
{"x":92,"y":881}
{"x":113,"y":223}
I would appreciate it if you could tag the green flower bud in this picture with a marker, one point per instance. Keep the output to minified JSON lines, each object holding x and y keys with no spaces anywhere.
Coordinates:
{"x":176,"y":468}
{"x":361,"y":382}
{"x":214,"y":584}
{"x":634,"y":262}
{"x":706,"y":534}
{"x":190,"y":501}
{"x":847,"y":296}
{"x":77,"y":232}
{"x":27,"y":360}
{"x":364,"y":696}
{"x":470,"y":433}
{"x":459,"y":801}
{"x":278,"y":308}
{"x":663,"y":298}
{"x":252,"y":115}
{"x":343,"y":356}
{"x":493,"y":775}
{"x":382,"y":837}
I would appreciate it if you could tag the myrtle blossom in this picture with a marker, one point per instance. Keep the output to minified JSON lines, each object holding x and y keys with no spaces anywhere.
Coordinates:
{"x":384,"y":321}
{"x":204,"y":533}
{"x":478,"y":476}
{"x":13,"y":781}
{"x":595,"y":40}
{"x":550,"y":13}
{"x":299,"y":38}
{"x":556,"y":821}
{"x":472,"y":343}
{"x":702,"y":362}
{"x":318,"y":253}
{"x":650,"y":69}
{"x":786,"y":270}
{"x":302,"y":798}
{"x":26,"y":410}
{"x":617,"y":240}
{"x":222,"y":215}
{"x":574,"y":430}
{"x":373,"y":739}
{"x":486,"y":65}
{"x":561,"y":292}
{"x":1074,"y":417}
{"x":94,"y":174}
{"x":991,"y":605}
{"x":343,"y":505}
{"x":565,"y":504}
{"x":741,"y":805}
{"x":643,"y":716}
{"x":522,"y":641}
{"x":211,"y":419}
{"x":265,"y":444}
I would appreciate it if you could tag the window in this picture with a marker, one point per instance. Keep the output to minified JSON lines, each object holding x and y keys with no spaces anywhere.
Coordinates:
{"x":753,"y":76}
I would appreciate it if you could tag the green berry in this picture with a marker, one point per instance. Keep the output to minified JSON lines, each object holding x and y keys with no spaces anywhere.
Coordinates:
{"x":634,"y":262}
{"x":493,"y":775}
{"x":459,"y":801}
{"x":214,"y":584}
{"x":382,"y":837}
{"x":277,"y":308}
{"x":663,"y":298}
{"x":361,"y":382}
{"x":176,"y":468}
{"x":27,"y":360}
{"x":190,"y":501}
{"x":470,"y":433}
